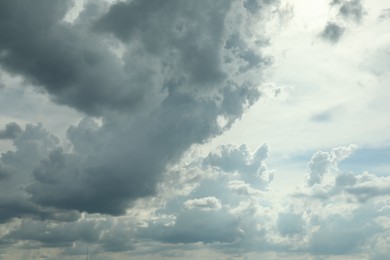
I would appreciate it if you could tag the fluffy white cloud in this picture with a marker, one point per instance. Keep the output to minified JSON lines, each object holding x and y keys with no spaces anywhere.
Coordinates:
{"x":206,"y":203}
{"x":323,"y":162}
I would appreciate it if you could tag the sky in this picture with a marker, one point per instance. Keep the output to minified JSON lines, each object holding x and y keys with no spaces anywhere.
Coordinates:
{"x":224,"y":129}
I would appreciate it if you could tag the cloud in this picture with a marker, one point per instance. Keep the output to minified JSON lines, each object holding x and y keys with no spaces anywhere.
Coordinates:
{"x":158,"y":75}
{"x":224,"y":208}
{"x":331,"y":224}
{"x":74,"y":67}
{"x":231,"y":158}
{"x":359,"y":187}
{"x":98,"y":234}
{"x":215,"y":226}
{"x":207,"y":203}
{"x":344,"y":210}
{"x":23,"y":208}
{"x":339,"y":235}
{"x":348,"y":10}
{"x":351,"y":10}
{"x":4,"y":172}
{"x":385,"y":14}
{"x":31,"y":145}
{"x":153,"y":80}
{"x":365,"y":186}
{"x":327,"y":115}
{"x":290,"y":224}
{"x":324,"y":162}
{"x":332,"y":32}
{"x":214,"y":208}
{"x":11,"y":131}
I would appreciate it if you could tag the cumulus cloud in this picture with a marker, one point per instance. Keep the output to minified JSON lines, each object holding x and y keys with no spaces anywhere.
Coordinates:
{"x":364,"y":186}
{"x":344,"y":212}
{"x":359,"y":187}
{"x":323,"y":162}
{"x":219,"y":209}
{"x":11,"y":131}
{"x":152,"y":79}
{"x":225,"y":207}
{"x":157,"y":74}
{"x":252,"y":221}
{"x":231,"y":158}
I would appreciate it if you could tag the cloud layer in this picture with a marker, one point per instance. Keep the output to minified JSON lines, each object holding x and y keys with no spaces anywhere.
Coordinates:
{"x":210,"y":207}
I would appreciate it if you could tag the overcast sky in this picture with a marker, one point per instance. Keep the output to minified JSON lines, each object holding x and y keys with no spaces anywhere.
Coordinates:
{"x":207,"y":129}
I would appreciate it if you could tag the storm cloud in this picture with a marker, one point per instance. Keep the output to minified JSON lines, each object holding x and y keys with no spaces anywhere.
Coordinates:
{"x":184,"y":66}
{"x":149,"y":141}
{"x":11,"y":131}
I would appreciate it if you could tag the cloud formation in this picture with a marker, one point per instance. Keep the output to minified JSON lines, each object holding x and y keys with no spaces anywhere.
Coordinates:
{"x":153,"y":81}
{"x":323,"y":162}
{"x":332,"y":32}
{"x":183,"y":66}
{"x":217,"y":209}
{"x":348,"y":11}
{"x":11,"y":131}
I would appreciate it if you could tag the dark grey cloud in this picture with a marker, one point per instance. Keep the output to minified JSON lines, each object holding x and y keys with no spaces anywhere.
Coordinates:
{"x":2,"y":85}
{"x":5,"y":172}
{"x":213,"y":207}
{"x":100,"y":236}
{"x":32,"y":144}
{"x":60,"y":235}
{"x":75,"y":69}
{"x":11,"y":131}
{"x":195,"y":225}
{"x":332,"y":32}
{"x":23,"y":208}
{"x":182,"y":66}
